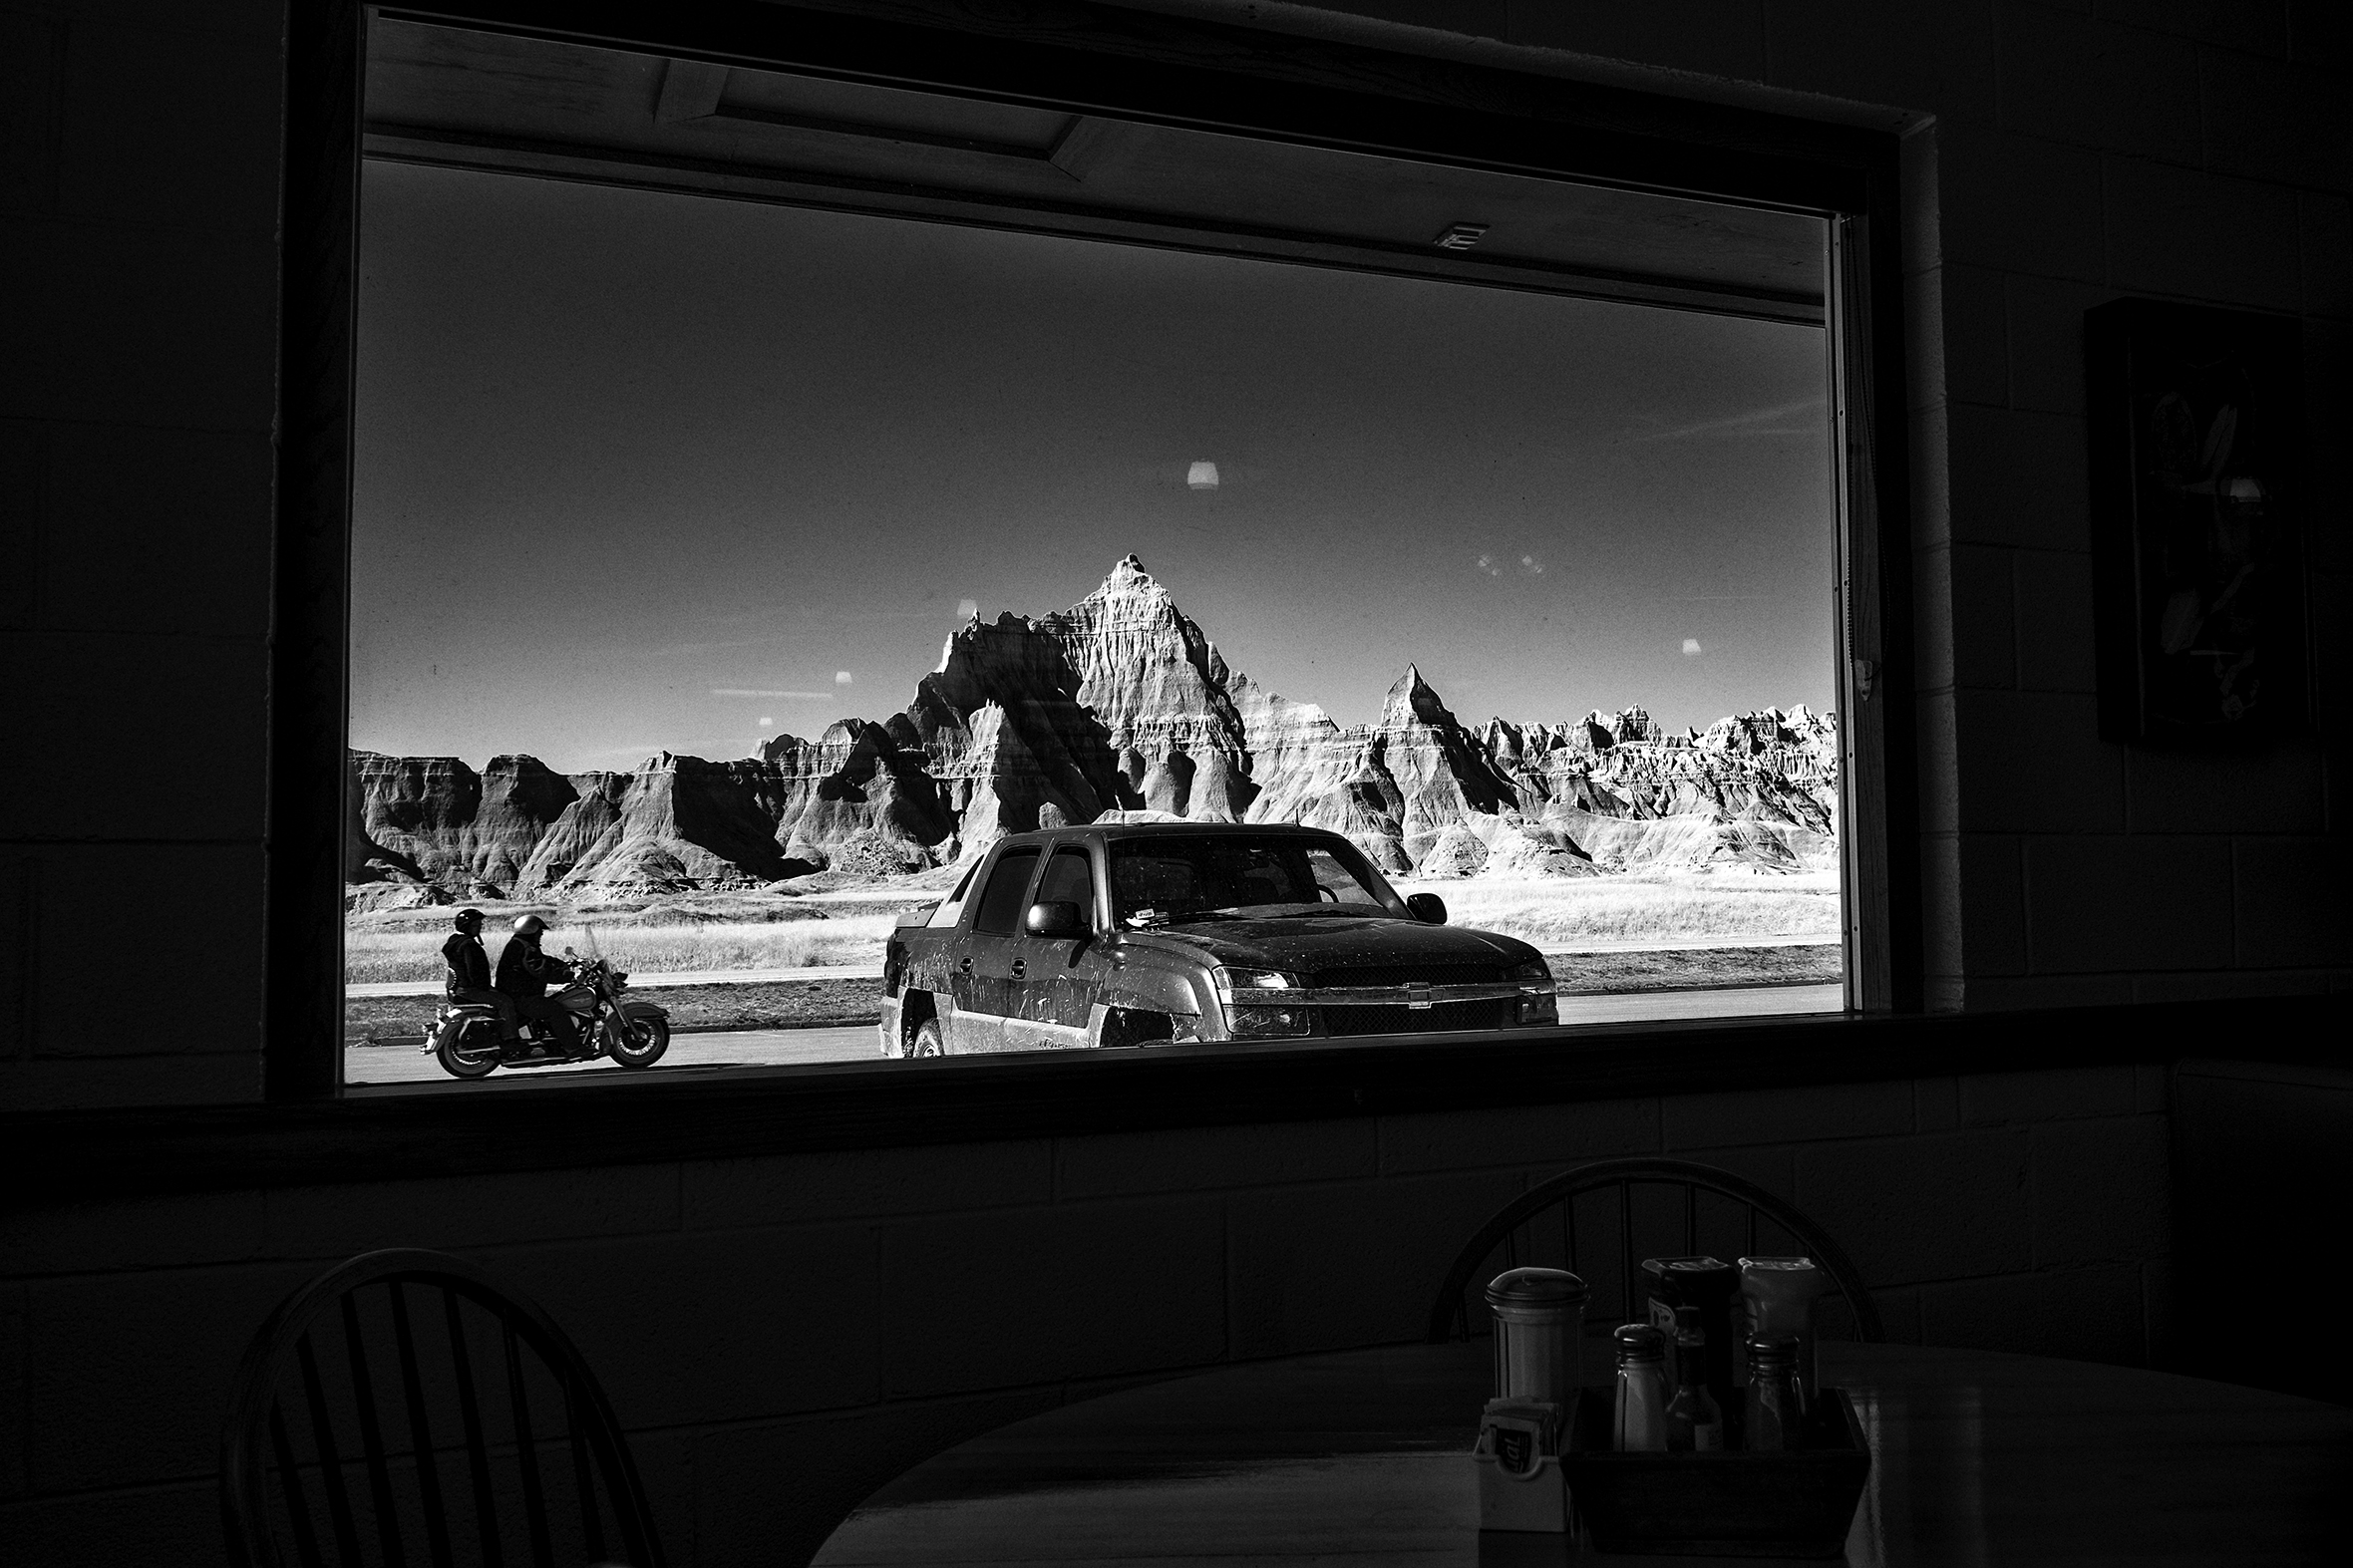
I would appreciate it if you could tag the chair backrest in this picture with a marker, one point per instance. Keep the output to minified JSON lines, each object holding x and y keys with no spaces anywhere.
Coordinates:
{"x":1601,"y":1220}
{"x":403,"y":1407}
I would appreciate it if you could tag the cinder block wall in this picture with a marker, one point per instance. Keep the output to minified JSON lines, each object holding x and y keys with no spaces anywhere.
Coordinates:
{"x":2193,"y":152}
{"x":782,"y":1336}
{"x":2058,"y":157}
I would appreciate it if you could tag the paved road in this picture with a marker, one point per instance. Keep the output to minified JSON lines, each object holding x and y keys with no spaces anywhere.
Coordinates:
{"x":856,"y":1043}
{"x":647,"y":979}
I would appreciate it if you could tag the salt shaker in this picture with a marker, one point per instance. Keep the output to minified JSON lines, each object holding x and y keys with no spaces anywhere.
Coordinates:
{"x":1780,"y":1294}
{"x":1641,"y":1416}
{"x":1540,"y":1332}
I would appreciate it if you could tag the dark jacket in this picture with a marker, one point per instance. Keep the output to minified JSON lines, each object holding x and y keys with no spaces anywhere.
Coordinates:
{"x":470,"y":965}
{"x":526,"y":973}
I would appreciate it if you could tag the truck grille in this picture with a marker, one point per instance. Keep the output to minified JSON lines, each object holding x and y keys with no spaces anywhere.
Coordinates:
{"x":1437,"y":1018}
{"x":1407,"y":974}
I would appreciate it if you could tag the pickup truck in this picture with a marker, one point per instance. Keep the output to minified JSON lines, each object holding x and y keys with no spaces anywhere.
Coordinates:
{"x":1136,"y":933}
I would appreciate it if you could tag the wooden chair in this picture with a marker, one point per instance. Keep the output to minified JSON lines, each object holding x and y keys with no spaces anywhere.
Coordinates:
{"x":403,"y":1407}
{"x":1630,"y":1207}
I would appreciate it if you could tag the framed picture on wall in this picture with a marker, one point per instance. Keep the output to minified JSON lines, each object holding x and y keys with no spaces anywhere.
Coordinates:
{"x":2196,"y":501}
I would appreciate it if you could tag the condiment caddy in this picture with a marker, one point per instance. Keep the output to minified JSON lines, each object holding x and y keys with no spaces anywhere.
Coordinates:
{"x":1716,"y":1437}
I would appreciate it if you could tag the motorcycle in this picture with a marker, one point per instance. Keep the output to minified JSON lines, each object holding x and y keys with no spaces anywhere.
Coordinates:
{"x":606,"y":1021}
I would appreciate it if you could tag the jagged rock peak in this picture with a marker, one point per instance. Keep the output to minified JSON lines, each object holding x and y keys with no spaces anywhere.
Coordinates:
{"x":1414,"y":699}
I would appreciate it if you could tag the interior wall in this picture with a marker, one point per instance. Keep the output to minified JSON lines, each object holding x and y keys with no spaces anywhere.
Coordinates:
{"x":782,"y":1336}
{"x":2259,"y":1172}
{"x":2195,"y":152}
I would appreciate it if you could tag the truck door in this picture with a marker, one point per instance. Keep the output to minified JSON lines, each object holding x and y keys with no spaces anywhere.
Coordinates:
{"x":1056,"y":979}
{"x":984,"y":983}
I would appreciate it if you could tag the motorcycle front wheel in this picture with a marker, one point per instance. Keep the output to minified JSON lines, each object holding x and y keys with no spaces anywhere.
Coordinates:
{"x":638,"y":1042}
{"x":459,"y":1060}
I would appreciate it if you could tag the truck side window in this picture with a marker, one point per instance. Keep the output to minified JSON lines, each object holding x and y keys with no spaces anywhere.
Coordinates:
{"x":1070,"y":879}
{"x":952,"y":906}
{"x":1000,"y":901}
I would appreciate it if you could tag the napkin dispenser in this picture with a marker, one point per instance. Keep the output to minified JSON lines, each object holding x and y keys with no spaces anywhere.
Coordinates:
{"x":1518,"y":1458}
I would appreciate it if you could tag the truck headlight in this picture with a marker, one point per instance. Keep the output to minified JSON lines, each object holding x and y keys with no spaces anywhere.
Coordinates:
{"x":1261,"y":1004}
{"x":1237,"y":984}
{"x":1538,"y":1002}
{"x":1264,"y":1022}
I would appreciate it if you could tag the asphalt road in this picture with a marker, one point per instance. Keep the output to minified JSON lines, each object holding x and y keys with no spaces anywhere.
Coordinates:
{"x":651,"y":979}
{"x":856,"y":1043}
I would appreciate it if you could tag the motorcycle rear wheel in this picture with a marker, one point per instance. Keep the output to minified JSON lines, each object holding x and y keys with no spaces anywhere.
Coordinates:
{"x":638,"y":1042}
{"x":480,"y":1062}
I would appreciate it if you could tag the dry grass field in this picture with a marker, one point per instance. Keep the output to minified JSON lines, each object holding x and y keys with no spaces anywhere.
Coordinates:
{"x":1694,"y":908}
{"x":766,"y":932}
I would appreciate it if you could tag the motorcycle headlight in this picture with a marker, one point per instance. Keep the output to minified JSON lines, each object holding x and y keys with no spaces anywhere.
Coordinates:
{"x":1538,"y":1002}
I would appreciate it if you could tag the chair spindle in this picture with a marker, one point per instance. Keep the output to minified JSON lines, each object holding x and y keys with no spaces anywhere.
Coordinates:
{"x":314,"y":1391}
{"x":363,"y":1394}
{"x":477,"y":1450}
{"x":428,"y":1491}
{"x":526,"y":1452}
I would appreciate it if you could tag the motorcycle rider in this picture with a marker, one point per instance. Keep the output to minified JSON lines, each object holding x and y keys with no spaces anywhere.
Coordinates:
{"x":468,"y":977}
{"x":526,"y":973}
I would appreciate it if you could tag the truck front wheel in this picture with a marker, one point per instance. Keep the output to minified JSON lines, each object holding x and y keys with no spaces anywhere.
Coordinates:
{"x":928,"y":1041}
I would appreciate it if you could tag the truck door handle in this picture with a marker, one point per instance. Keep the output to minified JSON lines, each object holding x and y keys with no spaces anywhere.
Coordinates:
{"x":1020,"y":968}
{"x":963,"y":966}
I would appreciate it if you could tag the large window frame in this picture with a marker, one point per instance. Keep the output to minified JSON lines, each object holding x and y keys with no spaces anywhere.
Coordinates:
{"x":1144,"y":67}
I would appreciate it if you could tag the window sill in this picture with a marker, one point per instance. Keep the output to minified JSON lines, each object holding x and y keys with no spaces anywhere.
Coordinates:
{"x":733,"y":1113}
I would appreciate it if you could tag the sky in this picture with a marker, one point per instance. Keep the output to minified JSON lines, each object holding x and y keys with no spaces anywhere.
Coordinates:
{"x":643,"y":471}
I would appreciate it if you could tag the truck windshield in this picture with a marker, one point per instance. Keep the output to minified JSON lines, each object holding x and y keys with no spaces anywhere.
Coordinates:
{"x":1157,"y":880}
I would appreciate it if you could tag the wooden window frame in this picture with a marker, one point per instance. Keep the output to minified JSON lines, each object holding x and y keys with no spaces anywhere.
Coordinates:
{"x":1177,"y":71}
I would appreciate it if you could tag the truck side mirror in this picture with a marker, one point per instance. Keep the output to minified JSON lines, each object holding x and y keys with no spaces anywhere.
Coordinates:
{"x":1054,"y":920}
{"x":1428,"y":909}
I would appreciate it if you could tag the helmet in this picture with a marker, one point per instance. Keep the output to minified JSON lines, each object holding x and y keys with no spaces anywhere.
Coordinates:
{"x":464,"y":918}
{"x":530,"y":925}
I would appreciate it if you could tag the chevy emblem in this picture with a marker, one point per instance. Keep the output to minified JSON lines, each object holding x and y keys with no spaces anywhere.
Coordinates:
{"x":1417,"y":995}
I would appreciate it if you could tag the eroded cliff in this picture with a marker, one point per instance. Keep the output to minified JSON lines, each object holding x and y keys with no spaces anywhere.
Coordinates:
{"x":1119,"y":704}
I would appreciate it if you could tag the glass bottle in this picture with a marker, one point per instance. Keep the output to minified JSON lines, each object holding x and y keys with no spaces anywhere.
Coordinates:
{"x":1709,"y":1285}
{"x":1695,"y":1421}
{"x":1774,"y":1411}
{"x":1642,"y":1426}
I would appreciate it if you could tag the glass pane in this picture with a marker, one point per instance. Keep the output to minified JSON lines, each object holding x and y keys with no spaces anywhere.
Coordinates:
{"x":734,"y":576}
{"x":1001,"y":906}
{"x":1070,"y":879}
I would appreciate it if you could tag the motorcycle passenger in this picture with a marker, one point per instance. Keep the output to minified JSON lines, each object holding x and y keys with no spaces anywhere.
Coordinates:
{"x":526,"y":973}
{"x":468,"y":977}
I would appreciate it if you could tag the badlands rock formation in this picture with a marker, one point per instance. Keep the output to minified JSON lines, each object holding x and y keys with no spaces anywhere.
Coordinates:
{"x":1117,"y":705}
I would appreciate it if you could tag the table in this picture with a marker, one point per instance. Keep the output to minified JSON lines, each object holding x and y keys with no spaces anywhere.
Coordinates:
{"x":1357,"y":1457}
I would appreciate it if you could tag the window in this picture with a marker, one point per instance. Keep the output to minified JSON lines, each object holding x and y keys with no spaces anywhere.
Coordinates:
{"x":1340,"y":884}
{"x":1070,"y":879}
{"x":1494,"y":522}
{"x":951,"y":908}
{"x":1001,"y":905}
{"x":1158,"y":880}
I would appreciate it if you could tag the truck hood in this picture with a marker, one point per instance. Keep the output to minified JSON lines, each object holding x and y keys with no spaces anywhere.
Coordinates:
{"x":1309,"y":942}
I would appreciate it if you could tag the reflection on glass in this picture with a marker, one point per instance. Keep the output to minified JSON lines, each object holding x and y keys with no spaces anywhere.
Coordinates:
{"x":735,"y":576}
